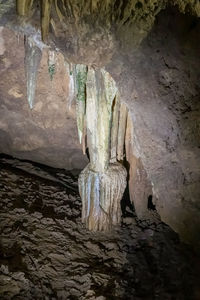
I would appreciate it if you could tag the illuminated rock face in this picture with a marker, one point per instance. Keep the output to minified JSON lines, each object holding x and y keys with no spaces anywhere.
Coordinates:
{"x":149,"y":71}
{"x":101,"y":193}
{"x":101,"y":122}
{"x":33,"y":56}
{"x":101,"y":183}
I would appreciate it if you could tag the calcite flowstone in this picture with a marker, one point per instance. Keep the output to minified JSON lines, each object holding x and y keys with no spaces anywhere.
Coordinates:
{"x":101,"y":193}
{"x":101,"y":184}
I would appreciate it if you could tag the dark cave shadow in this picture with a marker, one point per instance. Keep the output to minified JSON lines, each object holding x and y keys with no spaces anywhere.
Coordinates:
{"x":127,"y":206}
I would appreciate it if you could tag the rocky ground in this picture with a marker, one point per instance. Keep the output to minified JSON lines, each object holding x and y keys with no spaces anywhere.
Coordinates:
{"x":47,"y":253}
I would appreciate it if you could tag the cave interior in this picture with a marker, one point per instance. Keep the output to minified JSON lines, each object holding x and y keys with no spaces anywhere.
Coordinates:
{"x":100,"y":149}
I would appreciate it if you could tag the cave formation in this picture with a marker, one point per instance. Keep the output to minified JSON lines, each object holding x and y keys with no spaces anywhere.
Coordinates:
{"x":101,"y":183}
{"x":118,"y":81}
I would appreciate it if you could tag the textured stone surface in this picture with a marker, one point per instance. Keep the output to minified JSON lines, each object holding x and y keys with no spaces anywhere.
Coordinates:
{"x":163,"y":81}
{"x":47,"y":133}
{"x":46,"y":253}
{"x":158,"y":78}
{"x":101,"y":194}
{"x":101,"y":184}
{"x":140,"y":187}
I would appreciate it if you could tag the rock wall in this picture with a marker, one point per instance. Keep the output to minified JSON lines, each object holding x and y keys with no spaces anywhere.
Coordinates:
{"x":48,"y":133}
{"x":140,"y":188}
{"x":162,"y":91}
{"x":153,"y":55}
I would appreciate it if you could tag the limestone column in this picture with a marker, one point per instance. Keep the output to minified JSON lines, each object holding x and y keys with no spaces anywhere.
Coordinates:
{"x":101,"y":183}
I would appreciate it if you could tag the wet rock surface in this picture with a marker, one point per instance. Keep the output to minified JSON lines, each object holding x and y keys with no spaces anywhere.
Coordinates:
{"x":47,"y":253}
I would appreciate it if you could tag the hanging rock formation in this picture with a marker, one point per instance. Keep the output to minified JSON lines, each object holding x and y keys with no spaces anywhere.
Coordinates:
{"x":101,"y":122}
{"x":33,"y":56}
{"x":81,"y":77}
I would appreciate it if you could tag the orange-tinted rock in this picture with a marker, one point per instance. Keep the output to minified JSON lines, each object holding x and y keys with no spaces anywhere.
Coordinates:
{"x":47,"y":133}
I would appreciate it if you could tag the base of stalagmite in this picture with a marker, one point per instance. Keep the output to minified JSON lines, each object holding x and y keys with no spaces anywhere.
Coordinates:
{"x":101,"y":194}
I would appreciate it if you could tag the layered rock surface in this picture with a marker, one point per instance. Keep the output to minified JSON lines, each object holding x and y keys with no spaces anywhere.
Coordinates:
{"x":153,"y":55}
{"x":46,"y":252}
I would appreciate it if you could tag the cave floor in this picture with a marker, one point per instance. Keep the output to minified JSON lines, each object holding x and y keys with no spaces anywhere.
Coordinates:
{"x":47,"y":253}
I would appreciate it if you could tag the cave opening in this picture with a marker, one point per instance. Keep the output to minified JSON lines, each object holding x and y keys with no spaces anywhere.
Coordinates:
{"x":99,"y":100}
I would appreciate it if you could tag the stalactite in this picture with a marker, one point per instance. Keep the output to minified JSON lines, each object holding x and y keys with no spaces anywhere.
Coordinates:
{"x":91,"y":118}
{"x":72,"y":82}
{"x":101,"y":184}
{"x":121,"y":132}
{"x":23,"y":7}
{"x":114,"y":128}
{"x":51,"y":63}
{"x":81,"y":77}
{"x":33,"y":56}
{"x":106,"y":92}
{"x":45,"y":18}
{"x":101,"y":91}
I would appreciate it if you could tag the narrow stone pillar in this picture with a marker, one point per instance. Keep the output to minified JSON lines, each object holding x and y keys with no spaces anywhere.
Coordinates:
{"x":101,"y":183}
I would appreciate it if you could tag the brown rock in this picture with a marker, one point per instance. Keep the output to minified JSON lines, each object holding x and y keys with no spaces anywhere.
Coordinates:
{"x":48,"y":133}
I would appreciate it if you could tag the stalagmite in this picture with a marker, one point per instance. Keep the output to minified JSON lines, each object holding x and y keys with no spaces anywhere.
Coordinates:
{"x":33,"y":56}
{"x":101,"y":183}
